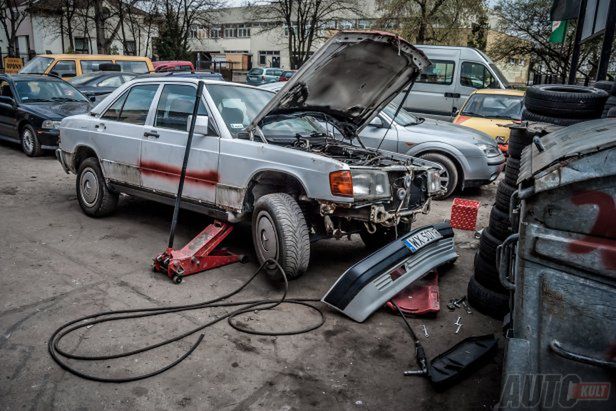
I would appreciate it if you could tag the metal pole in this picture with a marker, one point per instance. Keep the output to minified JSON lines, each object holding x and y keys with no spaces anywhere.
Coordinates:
{"x":575,"y":55}
{"x":191,"y":131}
{"x":608,"y":41}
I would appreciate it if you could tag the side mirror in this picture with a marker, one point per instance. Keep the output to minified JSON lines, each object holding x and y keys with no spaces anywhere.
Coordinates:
{"x":455,"y":112}
{"x":376,"y":122}
{"x":7,"y":100}
{"x":92,"y":98}
{"x":201,"y":125}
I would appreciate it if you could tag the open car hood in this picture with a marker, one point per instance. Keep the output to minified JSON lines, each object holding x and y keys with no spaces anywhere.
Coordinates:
{"x":351,"y":77}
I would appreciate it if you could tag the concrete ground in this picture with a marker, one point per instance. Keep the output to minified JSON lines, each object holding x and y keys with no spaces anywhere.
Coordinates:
{"x":57,"y":264}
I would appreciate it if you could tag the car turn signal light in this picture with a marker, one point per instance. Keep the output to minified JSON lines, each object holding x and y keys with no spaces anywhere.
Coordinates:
{"x":341,"y":183}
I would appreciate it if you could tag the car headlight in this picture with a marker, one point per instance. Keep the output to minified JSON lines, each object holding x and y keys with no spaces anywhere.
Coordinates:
{"x":489,"y":150}
{"x":51,"y":124}
{"x":370,"y":184}
{"x":434,"y":181}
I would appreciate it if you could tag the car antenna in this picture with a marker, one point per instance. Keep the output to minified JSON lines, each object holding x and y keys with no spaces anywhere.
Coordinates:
{"x":406,"y":94}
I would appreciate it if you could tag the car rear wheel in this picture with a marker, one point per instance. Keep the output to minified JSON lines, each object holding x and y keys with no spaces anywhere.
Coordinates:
{"x":93,"y":195}
{"x":280,"y":232}
{"x":30,"y":143}
{"x":449,"y":175}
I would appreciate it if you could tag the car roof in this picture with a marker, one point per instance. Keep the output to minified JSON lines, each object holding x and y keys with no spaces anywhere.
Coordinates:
{"x":187,"y":79}
{"x":22,"y":77}
{"x":503,"y":92}
{"x":94,"y":57}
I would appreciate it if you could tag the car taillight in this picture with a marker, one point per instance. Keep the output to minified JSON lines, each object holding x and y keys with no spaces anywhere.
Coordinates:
{"x":341,"y":183}
{"x":262,"y":77}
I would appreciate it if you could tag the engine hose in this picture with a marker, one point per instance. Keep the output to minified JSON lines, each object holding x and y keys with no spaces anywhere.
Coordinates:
{"x":60,"y":356}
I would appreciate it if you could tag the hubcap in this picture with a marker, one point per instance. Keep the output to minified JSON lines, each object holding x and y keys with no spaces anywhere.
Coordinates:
{"x":88,"y":184}
{"x":267,"y":238}
{"x":28,"y":140}
{"x":444,"y":178}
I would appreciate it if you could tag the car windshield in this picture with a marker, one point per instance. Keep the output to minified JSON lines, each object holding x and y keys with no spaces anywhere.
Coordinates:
{"x":238,"y":105}
{"x":37,"y":65}
{"x":30,"y":91}
{"x":404,"y":118}
{"x":494,"y":106}
{"x":81,"y":80}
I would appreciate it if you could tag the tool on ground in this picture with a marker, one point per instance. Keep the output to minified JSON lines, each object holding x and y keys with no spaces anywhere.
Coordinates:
{"x":425,"y":330}
{"x":455,"y":303}
{"x":368,"y":285}
{"x":421,"y":297}
{"x":459,"y":324}
{"x":420,"y":354}
{"x":200,"y":253}
{"x":60,"y":356}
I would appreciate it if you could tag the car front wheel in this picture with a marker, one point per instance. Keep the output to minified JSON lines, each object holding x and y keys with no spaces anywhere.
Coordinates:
{"x":93,"y":195}
{"x":30,"y":143}
{"x":449,"y":174}
{"x":280,"y":232}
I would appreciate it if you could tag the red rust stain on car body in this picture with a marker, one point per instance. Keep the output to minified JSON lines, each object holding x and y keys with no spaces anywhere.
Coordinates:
{"x":169,"y":172}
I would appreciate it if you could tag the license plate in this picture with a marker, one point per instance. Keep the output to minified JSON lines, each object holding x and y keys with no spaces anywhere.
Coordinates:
{"x":422,"y":239}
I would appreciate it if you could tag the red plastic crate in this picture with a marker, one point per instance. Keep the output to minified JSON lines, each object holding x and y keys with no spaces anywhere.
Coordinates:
{"x":464,"y":213}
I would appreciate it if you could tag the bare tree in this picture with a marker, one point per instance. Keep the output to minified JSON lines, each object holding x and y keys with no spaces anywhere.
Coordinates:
{"x":12,"y":14}
{"x":431,"y":21}
{"x":304,"y":20}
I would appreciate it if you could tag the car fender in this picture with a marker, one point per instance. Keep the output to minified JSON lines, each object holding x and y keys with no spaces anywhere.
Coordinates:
{"x":439,"y":147}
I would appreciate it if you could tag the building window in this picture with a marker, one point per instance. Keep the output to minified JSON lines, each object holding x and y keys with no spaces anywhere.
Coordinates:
{"x":243,"y":30}
{"x":269,"y":58}
{"x":215,"y":32}
{"x":82,"y":45}
{"x":130,"y":48}
{"x":364,"y":24}
{"x":230,"y":31}
{"x":346,"y":24}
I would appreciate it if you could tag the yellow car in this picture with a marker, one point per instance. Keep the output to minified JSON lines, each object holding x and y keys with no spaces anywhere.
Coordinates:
{"x":486,"y":109}
{"x":73,"y":65}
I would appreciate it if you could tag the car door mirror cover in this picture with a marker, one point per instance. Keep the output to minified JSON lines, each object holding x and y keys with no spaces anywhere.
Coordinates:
{"x":376,"y":122}
{"x":201,"y":125}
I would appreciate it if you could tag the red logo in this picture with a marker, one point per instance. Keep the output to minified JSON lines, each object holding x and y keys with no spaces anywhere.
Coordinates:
{"x":590,"y":390}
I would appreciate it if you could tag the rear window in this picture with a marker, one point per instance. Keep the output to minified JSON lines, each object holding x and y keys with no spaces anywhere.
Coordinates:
{"x":133,"y":66}
{"x":255,"y":72}
{"x":88,"y":66}
{"x":440,"y":72}
{"x":274,"y":72}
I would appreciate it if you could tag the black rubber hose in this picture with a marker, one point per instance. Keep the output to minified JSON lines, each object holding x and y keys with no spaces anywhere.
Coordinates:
{"x":60,"y":355}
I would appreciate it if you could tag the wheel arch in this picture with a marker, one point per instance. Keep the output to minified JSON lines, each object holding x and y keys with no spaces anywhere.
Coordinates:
{"x":269,"y":181}
{"x":81,"y":153}
{"x":452,"y":154}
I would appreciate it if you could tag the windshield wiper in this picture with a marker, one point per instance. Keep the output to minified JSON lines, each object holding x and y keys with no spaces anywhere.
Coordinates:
{"x":35,"y":100}
{"x":63,"y":99}
{"x":472,"y":114}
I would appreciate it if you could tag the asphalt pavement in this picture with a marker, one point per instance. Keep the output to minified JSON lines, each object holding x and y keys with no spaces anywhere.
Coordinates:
{"x":57,"y":264}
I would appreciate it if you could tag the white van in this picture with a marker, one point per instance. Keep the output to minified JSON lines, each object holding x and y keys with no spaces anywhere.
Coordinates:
{"x":455,"y":73}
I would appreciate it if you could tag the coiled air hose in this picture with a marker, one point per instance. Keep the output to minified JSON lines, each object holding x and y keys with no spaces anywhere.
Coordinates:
{"x":60,"y":356}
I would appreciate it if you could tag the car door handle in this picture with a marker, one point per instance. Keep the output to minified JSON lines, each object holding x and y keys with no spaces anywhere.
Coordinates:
{"x":152,"y":134}
{"x":452,"y":95}
{"x":100,"y":126}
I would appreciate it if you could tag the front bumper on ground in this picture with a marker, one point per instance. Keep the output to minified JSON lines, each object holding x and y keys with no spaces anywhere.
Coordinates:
{"x":369,"y":284}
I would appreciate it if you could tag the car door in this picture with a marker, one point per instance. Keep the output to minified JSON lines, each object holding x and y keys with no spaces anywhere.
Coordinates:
{"x":372,"y":134}
{"x":8,"y":112}
{"x":164,"y":144}
{"x":119,"y":131}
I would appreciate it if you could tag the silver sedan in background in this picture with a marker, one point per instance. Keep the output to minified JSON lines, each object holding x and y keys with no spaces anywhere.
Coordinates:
{"x":468,"y":158}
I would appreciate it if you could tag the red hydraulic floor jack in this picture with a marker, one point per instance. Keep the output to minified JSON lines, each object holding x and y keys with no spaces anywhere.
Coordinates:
{"x":200,"y":253}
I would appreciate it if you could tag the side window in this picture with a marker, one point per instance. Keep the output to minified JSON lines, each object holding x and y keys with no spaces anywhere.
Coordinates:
{"x":175,"y":105}
{"x":440,"y":72}
{"x":476,"y":75}
{"x":133,"y":107}
{"x":65,"y":68}
{"x":5,"y":89}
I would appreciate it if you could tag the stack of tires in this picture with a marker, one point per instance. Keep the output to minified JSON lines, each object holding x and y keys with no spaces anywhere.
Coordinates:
{"x":485,"y":291}
{"x":610,"y":103}
{"x":563,"y":105}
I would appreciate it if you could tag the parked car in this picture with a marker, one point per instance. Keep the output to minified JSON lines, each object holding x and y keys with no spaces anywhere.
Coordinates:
{"x":468,"y":158}
{"x":262,"y":156}
{"x":286,"y":75}
{"x":257,"y":76}
{"x":31,"y":107}
{"x":175,"y":65}
{"x":486,"y":110}
{"x":203,"y":75}
{"x":455,"y":72}
{"x":100,"y":83}
{"x":73,"y":65}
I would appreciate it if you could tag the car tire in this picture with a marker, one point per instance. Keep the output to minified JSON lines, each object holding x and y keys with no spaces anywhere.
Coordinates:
{"x":604,"y":85}
{"x":383,"y":235}
{"x":611,"y":113}
{"x":488,"y":244}
{"x":449,"y":177}
{"x":565,"y":122}
{"x":518,"y":139}
{"x":486,"y":301}
{"x":609,"y":104}
{"x":512,"y":171}
{"x":30,"y":143}
{"x":95,"y":198}
{"x":280,"y":232}
{"x":500,"y":226}
{"x":503,"y":196}
{"x":486,"y":274}
{"x":569,"y":101}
